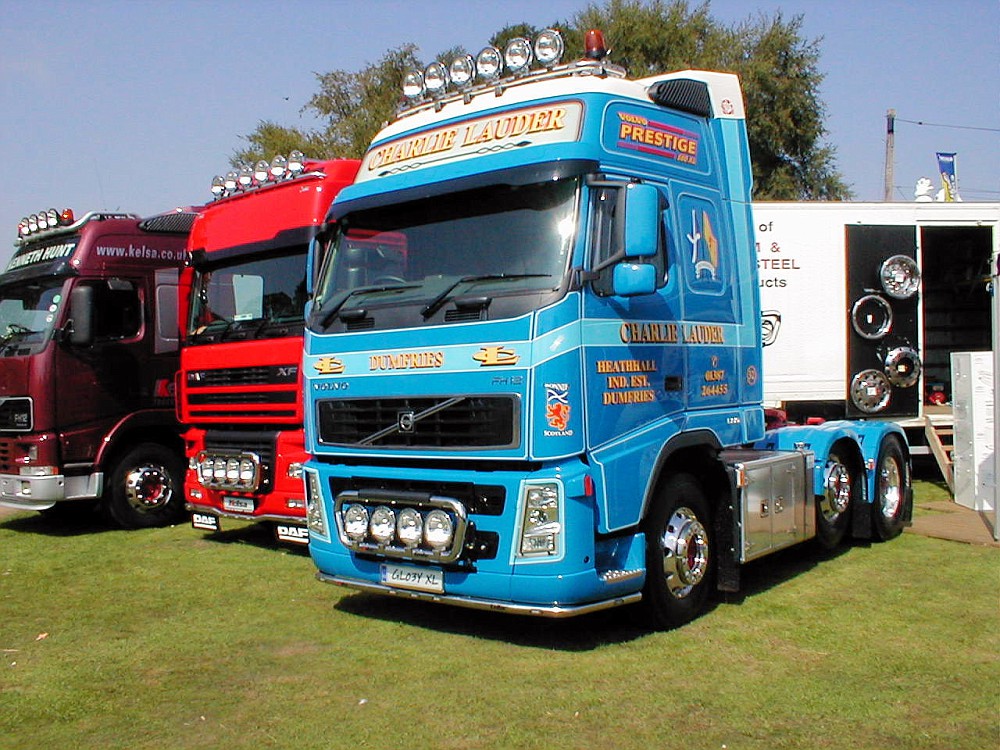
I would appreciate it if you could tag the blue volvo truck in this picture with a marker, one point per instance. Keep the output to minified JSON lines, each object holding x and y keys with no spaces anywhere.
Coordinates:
{"x":533,"y":353}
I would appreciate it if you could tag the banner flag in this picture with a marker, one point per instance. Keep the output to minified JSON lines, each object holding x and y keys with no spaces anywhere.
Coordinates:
{"x":949,"y":179}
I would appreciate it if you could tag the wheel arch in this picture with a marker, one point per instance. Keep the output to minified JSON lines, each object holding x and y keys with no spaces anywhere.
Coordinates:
{"x":697,"y":453}
{"x":140,"y":427}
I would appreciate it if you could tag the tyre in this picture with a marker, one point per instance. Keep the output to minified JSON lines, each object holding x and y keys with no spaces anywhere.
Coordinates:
{"x":679,"y":555}
{"x":146,"y":488}
{"x":833,"y":508}
{"x":892,"y":484}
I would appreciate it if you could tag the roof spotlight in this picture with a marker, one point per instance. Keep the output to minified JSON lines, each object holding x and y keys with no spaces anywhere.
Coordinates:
{"x":279,"y":165}
{"x":462,"y":71}
{"x":231,"y":181}
{"x":246,"y":176}
{"x":488,"y":63}
{"x":218,"y":185}
{"x":436,"y":78}
{"x":517,"y":55}
{"x":549,"y":47}
{"x":296,"y":163}
{"x":413,"y":85}
{"x":261,"y":170}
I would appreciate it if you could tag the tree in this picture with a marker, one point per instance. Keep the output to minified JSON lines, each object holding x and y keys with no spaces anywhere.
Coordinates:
{"x":778,"y":67}
{"x":353,"y":106}
{"x":779,"y":71}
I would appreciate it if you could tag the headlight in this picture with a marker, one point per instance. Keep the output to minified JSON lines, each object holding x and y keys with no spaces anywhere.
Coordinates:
{"x":541,"y":524}
{"x":409,"y":527}
{"x":382,"y":526}
{"x":438,"y":530}
{"x":315,"y":518}
{"x":356,"y":522}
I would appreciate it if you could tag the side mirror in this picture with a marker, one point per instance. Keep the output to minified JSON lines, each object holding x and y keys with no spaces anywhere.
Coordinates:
{"x":642,"y":220}
{"x":81,"y":316}
{"x":634,"y":279}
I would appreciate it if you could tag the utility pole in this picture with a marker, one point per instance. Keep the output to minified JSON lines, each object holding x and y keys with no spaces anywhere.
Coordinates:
{"x":890,"y":152}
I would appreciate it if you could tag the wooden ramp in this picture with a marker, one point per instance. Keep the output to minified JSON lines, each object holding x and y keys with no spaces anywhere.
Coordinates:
{"x":940,"y":436}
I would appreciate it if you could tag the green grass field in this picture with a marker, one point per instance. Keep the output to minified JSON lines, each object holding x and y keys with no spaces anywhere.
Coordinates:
{"x":167,"y":638}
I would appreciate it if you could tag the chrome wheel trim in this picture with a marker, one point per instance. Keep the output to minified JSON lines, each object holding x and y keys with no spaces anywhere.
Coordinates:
{"x":837,"y":497}
{"x":148,"y":488}
{"x":685,"y":552}
{"x":890,"y":487}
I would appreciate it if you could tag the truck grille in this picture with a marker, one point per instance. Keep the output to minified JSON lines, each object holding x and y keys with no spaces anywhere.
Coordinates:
{"x":460,"y":422}
{"x":265,"y":375}
{"x":247,"y":395}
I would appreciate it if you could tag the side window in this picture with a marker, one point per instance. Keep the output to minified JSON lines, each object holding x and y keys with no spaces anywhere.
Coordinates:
{"x":606,"y":233}
{"x":117,"y":310}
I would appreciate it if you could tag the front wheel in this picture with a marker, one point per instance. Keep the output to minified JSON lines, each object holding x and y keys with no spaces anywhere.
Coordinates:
{"x":146,"y":488}
{"x":892,"y":483}
{"x":679,"y":555}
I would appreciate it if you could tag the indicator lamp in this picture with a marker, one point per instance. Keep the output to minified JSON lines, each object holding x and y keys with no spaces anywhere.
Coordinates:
{"x":594,"y":46}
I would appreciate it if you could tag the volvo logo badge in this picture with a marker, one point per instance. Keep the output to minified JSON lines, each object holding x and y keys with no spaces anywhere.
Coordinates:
{"x":405,"y":420}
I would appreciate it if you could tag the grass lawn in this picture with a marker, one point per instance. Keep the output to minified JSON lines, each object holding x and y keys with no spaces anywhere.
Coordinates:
{"x":167,"y":638}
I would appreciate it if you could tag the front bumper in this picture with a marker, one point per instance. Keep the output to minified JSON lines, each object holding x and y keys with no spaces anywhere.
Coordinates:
{"x":41,"y":493}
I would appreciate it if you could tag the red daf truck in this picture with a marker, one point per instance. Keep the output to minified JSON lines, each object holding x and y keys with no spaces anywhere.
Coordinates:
{"x":88,"y":352}
{"x":243,"y":297}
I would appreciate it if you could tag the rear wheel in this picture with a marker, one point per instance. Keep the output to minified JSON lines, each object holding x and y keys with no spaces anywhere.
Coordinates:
{"x":842,"y":488}
{"x":892,"y":483}
{"x":146,"y":488}
{"x":679,"y":555}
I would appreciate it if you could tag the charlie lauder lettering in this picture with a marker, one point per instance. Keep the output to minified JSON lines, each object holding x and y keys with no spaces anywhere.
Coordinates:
{"x":471,"y":134}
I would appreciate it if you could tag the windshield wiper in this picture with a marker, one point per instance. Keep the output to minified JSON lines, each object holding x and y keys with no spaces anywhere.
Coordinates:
{"x":435,"y":304}
{"x":16,"y":330}
{"x":340,"y":300}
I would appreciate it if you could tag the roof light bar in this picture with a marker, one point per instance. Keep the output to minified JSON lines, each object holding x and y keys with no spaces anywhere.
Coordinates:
{"x":249,"y":177}
{"x":492,"y":70}
{"x":43,"y":221}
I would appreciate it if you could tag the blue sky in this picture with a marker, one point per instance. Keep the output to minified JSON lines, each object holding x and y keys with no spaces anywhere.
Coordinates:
{"x":135,"y":105}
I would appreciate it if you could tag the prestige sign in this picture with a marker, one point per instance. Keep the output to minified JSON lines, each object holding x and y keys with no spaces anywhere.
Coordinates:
{"x":550,"y":123}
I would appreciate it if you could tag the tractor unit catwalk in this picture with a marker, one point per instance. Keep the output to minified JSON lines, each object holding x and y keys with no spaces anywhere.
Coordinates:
{"x":533,"y":354}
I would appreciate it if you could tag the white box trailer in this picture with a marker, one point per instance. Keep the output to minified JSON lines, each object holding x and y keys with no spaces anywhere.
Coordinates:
{"x":846,"y":333}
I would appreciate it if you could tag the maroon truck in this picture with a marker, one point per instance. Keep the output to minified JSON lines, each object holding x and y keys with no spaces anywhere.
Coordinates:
{"x":88,"y":352}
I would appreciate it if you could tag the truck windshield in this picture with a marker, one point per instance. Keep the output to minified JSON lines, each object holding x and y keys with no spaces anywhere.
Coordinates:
{"x":250,"y":298}
{"x":28,"y":314}
{"x":496,"y":241}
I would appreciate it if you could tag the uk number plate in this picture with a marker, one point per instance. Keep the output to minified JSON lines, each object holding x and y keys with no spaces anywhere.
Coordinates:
{"x":238,"y":504}
{"x":415,"y":579}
